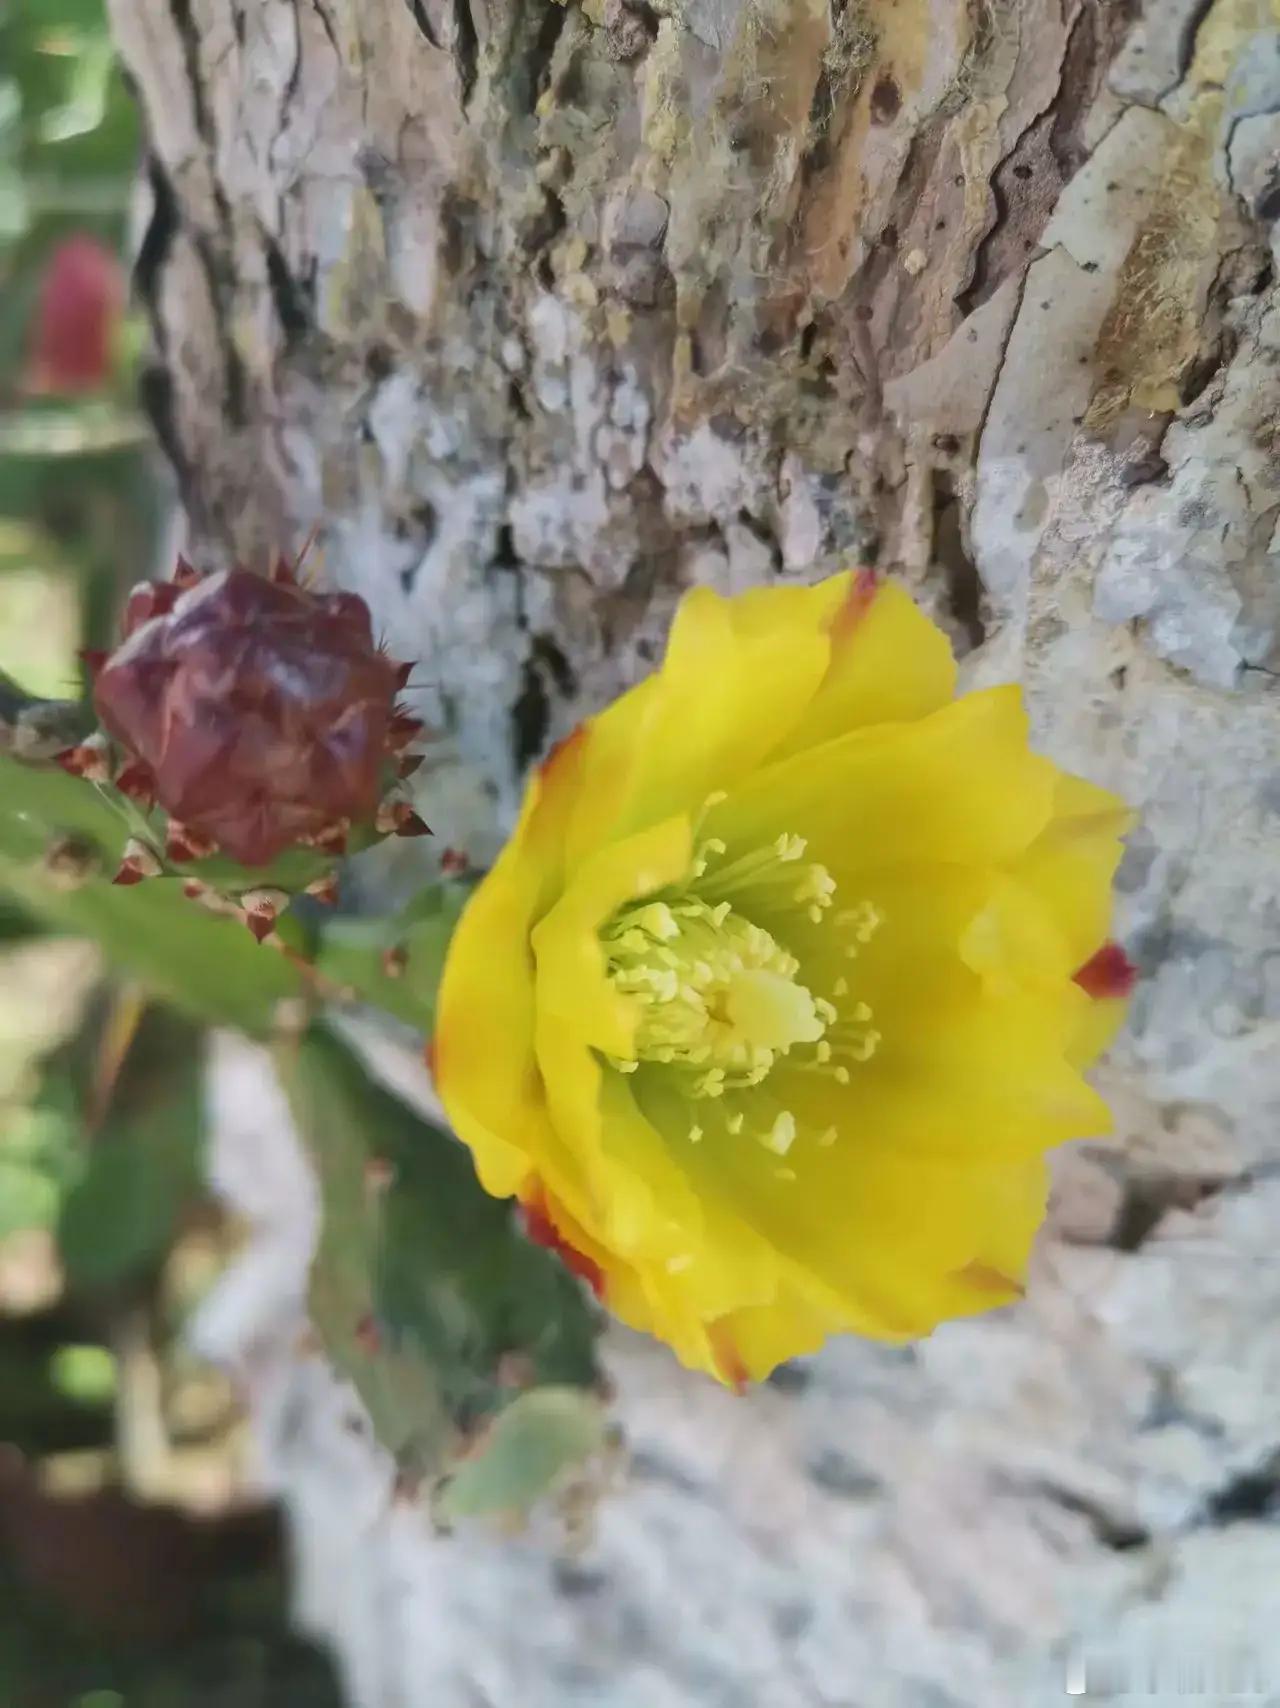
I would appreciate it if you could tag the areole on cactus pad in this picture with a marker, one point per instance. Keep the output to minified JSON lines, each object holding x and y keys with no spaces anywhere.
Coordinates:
{"x":253,"y":725}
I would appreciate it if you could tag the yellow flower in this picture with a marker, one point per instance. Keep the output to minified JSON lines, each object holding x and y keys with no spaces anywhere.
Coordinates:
{"x":768,"y":1011}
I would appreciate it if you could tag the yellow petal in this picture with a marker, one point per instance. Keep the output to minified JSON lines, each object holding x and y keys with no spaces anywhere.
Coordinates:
{"x":889,"y":664}
{"x":890,"y":1243}
{"x":725,"y":697}
{"x":482,"y":1052}
{"x":1071,"y":865}
{"x":574,"y":990}
{"x":959,"y":786}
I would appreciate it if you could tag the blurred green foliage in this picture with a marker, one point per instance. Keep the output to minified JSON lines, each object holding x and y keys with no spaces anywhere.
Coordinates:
{"x":80,"y":503}
{"x":105,"y":1601}
{"x":471,"y":1348}
{"x":422,"y":1289}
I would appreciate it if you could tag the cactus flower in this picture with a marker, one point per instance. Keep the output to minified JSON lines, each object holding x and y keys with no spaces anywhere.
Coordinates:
{"x":769,"y":1010}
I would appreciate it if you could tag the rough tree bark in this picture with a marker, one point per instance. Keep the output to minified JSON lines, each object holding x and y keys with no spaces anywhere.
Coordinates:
{"x":540,"y":312}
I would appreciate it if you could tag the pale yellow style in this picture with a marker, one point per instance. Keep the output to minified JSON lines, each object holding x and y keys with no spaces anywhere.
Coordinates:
{"x":767,"y":1010}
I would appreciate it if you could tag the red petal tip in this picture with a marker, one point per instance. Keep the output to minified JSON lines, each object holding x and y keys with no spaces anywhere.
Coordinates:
{"x":542,"y":1230}
{"x":324,"y":890}
{"x":562,"y":750}
{"x":865,"y":585}
{"x":724,"y":1350}
{"x":1109,"y":973}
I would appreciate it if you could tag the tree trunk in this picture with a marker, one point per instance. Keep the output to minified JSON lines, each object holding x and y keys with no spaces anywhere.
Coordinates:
{"x":539,"y":313}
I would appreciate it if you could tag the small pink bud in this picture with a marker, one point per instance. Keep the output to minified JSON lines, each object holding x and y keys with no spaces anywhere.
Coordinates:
{"x":82,"y":298}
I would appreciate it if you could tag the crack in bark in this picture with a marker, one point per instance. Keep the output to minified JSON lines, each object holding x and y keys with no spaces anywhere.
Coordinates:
{"x":216,"y":271}
{"x":422,"y":18}
{"x":291,"y":306}
{"x":328,"y":26}
{"x":155,"y":383}
{"x":1187,"y":43}
{"x":466,"y":48}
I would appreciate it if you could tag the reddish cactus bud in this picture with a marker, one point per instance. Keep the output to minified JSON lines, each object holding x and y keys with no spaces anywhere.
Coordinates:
{"x":453,"y":862}
{"x":394,"y":961}
{"x":324,"y":890}
{"x":263,"y":710}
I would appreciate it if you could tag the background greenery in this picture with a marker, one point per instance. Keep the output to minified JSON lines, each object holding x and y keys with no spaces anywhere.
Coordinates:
{"x":127,"y":1579}
{"x":135,"y":1570}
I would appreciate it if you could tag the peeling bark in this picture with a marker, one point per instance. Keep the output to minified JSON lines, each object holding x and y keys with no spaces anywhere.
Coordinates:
{"x":540,"y":313}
